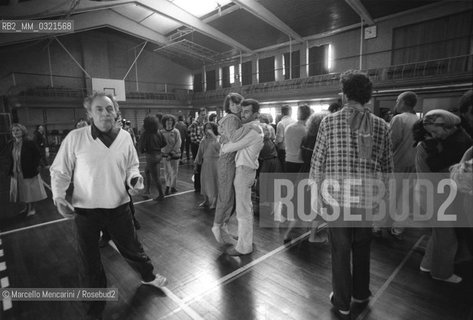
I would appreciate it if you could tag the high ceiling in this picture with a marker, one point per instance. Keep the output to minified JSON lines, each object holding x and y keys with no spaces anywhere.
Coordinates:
{"x":232,"y":30}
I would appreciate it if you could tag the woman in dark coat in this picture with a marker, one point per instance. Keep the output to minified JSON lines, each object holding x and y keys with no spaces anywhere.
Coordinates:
{"x":25,"y":184}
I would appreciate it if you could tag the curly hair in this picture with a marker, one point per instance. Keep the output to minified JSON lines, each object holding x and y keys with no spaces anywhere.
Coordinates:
{"x":167,"y":117}
{"x":23,"y":129}
{"x":334,"y":107}
{"x":356,"y":86}
{"x":313,"y":123}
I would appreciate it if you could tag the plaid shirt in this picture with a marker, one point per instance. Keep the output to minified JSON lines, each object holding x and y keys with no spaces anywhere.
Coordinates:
{"x":196,"y":132}
{"x":336,"y":156}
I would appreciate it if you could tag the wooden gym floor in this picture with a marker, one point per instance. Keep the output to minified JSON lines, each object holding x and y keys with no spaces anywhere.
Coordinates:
{"x":277,"y":281}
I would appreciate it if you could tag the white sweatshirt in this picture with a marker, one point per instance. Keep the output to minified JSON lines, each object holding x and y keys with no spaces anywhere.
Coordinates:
{"x":99,"y":173}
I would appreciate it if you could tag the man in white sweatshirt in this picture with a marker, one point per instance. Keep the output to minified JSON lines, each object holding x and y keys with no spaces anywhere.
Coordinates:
{"x":101,"y":161}
{"x":246,"y":162}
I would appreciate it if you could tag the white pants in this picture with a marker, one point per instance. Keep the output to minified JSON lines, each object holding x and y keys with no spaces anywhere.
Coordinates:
{"x":244,"y":179}
{"x":170,"y":172}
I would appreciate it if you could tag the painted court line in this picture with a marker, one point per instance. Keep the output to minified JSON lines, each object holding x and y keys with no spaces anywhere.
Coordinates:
{"x":182,"y":305}
{"x":47,"y":185}
{"x":386,"y":284}
{"x":7,"y":305}
{"x":188,"y":310}
{"x":169,"y":196}
{"x":237,"y":273}
{"x":4,"y":282}
{"x":33,"y":226}
{"x":64,"y":219}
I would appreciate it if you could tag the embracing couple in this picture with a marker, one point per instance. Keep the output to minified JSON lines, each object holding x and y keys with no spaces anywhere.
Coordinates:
{"x":242,"y":140}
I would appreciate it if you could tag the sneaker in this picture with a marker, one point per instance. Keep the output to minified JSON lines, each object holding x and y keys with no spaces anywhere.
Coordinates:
{"x":173,"y":190}
{"x":30,"y":213}
{"x":158,"y":282}
{"x":343,"y":314}
{"x":421,"y":268}
{"x":452,"y":279}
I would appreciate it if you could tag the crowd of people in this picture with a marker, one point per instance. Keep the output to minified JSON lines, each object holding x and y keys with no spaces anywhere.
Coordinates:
{"x":228,"y":155}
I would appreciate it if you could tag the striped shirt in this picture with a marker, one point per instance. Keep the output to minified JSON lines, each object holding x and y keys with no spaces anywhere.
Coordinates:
{"x":336,"y":156}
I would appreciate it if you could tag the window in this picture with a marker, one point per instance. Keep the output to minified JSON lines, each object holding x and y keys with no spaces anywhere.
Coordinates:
{"x":201,"y":7}
{"x":318,"y":60}
{"x":296,"y":63}
{"x":246,"y":73}
{"x":226,"y":77}
{"x":266,"y":70}
{"x":440,"y":38}
{"x":197,"y":85}
{"x":232,"y":74}
{"x":211,"y":80}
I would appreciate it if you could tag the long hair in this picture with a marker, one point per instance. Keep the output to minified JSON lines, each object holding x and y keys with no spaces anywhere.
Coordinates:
{"x":233,"y":97}
{"x":150,"y":124}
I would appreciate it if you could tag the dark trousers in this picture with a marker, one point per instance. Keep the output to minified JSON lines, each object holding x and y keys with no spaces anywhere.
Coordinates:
{"x":119,"y":224}
{"x":188,"y":144}
{"x":282,"y":158}
{"x":195,"y":149}
{"x":465,"y":235}
{"x":183,"y":147}
{"x":350,"y":278}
